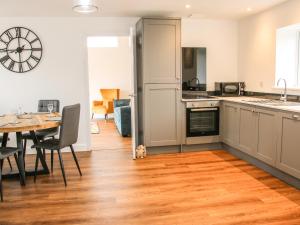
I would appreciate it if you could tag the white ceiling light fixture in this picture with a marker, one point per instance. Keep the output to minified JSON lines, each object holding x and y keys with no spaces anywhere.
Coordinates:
{"x":249,"y":9}
{"x":85,"y":6}
{"x":187,"y":6}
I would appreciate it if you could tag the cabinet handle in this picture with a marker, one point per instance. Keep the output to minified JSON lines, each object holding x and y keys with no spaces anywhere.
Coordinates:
{"x":253,"y":110}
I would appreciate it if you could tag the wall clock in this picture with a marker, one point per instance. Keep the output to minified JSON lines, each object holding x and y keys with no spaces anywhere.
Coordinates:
{"x":20,"y":49}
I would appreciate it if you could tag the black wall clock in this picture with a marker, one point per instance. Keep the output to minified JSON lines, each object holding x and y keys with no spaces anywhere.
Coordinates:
{"x":20,"y":49}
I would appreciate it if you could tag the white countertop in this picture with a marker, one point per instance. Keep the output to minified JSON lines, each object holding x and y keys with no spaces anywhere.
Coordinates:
{"x":245,"y":99}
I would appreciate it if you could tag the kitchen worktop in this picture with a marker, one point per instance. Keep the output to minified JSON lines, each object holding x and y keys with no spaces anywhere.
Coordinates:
{"x":253,"y":101}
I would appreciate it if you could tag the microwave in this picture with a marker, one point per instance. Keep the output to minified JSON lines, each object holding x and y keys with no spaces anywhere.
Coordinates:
{"x":229,"y":88}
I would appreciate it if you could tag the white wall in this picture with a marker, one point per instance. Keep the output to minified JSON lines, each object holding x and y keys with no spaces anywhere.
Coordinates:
{"x":110,"y":68}
{"x":257,"y":45}
{"x":220,"y":37}
{"x":62,"y":74}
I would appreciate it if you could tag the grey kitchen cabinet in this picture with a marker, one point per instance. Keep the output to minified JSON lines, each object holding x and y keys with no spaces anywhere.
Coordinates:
{"x":251,"y":130}
{"x":158,"y":60}
{"x":162,"y":114}
{"x":267,"y":132}
{"x":161,"y":50}
{"x":288,"y":154}
{"x":230,"y":124}
{"x":248,"y":130}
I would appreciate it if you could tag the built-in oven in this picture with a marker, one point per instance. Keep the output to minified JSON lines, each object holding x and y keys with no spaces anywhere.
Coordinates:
{"x":202,"y":118}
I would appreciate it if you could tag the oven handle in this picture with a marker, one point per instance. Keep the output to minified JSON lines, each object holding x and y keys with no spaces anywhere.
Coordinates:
{"x":204,"y":109}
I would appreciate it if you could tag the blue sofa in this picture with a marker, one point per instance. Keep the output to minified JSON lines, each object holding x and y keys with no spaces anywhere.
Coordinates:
{"x":122,"y":116}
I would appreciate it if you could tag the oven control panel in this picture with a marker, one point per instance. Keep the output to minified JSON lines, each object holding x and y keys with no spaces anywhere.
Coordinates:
{"x":202,"y":104}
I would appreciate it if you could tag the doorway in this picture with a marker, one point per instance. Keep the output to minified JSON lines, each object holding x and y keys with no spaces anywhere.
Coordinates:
{"x":111,"y":68}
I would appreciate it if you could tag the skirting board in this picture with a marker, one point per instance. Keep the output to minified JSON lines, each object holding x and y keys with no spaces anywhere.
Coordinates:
{"x":269,"y":169}
{"x":183,"y":148}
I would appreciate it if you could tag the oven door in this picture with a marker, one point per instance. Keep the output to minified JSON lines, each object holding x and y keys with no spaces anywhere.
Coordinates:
{"x":202,"y":122}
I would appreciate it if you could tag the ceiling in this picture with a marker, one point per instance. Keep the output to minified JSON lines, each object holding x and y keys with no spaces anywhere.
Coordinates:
{"x":227,"y":9}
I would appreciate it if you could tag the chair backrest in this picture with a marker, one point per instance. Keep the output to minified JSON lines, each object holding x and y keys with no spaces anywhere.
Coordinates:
{"x":69,"y":126}
{"x":43,"y":105}
{"x":110,"y":94}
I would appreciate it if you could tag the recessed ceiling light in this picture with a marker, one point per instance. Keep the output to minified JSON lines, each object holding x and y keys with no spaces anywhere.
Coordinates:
{"x":249,"y":9}
{"x":85,"y":6}
{"x":187,"y":6}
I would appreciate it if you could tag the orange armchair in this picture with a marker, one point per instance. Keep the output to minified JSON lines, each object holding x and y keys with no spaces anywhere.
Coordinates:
{"x":106,"y":106}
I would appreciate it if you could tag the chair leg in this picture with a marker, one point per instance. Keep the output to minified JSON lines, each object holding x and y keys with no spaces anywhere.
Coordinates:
{"x":52,"y":152}
{"x":9,"y":162}
{"x":75,"y":158}
{"x":62,"y":166}
{"x":1,"y":191}
{"x":36,"y":167}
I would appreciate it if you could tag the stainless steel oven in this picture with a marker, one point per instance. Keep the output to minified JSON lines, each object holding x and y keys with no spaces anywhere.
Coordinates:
{"x":202,"y":118}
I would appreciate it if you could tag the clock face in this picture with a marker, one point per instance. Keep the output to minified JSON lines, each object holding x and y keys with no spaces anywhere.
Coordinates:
{"x":20,"y":49}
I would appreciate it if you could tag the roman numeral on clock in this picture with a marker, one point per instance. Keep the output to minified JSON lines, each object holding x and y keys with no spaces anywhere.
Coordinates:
{"x":34,"y":40}
{"x":35,"y":58}
{"x":29,"y":65}
{"x":4,"y":59}
{"x":9,"y":35}
{"x":21,"y":68}
{"x":18,"y":32}
{"x":11,"y":65}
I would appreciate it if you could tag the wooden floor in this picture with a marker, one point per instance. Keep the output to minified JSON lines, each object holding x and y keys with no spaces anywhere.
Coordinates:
{"x":109,"y":137}
{"x":200,"y":188}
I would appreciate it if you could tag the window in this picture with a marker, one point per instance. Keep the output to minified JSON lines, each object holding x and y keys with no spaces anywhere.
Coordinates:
{"x":288,"y":55}
{"x":103,"y":42}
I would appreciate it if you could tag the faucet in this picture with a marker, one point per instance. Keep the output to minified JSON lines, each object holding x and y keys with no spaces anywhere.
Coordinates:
{"x":284,"y":95}
{"x":197,"y":80}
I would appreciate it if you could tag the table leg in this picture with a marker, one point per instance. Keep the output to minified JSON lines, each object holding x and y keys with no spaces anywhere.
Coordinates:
{"x":20,"y":158}
{"x":3,"y":144}
{"x":39,"y":153}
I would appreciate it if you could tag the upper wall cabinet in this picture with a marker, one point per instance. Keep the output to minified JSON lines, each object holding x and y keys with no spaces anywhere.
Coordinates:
{"x":161,"y":51}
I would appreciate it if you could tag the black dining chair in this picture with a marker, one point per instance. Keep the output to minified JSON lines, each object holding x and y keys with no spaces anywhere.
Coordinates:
{"x":46,"y":133}
{"x":67,"y":137}
{"x":6,"y":152}
{"x":1,"y":138}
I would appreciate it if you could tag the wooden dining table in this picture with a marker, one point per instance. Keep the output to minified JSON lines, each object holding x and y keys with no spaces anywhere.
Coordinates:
{"x":19,"y":124}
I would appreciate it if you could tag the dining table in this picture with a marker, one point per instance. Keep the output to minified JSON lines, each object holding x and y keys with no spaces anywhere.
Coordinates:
{"x":23,"y":123}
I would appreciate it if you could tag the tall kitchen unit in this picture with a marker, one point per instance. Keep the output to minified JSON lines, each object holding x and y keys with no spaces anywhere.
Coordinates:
{"x":158,"y":59}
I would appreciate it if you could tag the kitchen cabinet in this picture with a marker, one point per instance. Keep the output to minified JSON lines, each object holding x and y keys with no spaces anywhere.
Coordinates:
{"x":251,"y":130}
{"x":288,"y":154}
{"x":230,"y":124}
{"x":248,"y":130}
{"x":162,"y":51}
{"x":267,"y":133}
{"x":163,"y":115}
{"x":158,"y":59}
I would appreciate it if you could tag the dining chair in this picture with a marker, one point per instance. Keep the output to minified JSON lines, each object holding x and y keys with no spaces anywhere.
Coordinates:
{"x":68,"y":136}
{"x":46,"y":133}
{"x":6,"y":152}
{"x":1,"y":138}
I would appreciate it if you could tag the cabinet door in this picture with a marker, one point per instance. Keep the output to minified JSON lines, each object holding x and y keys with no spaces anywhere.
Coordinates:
{"x":162,"y":52}
{"x":288,"y":155}
{"x":162,"y":115}
{"x":267,"y":134}
{"x":248,"y":130}
{"x":230,"y":124}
